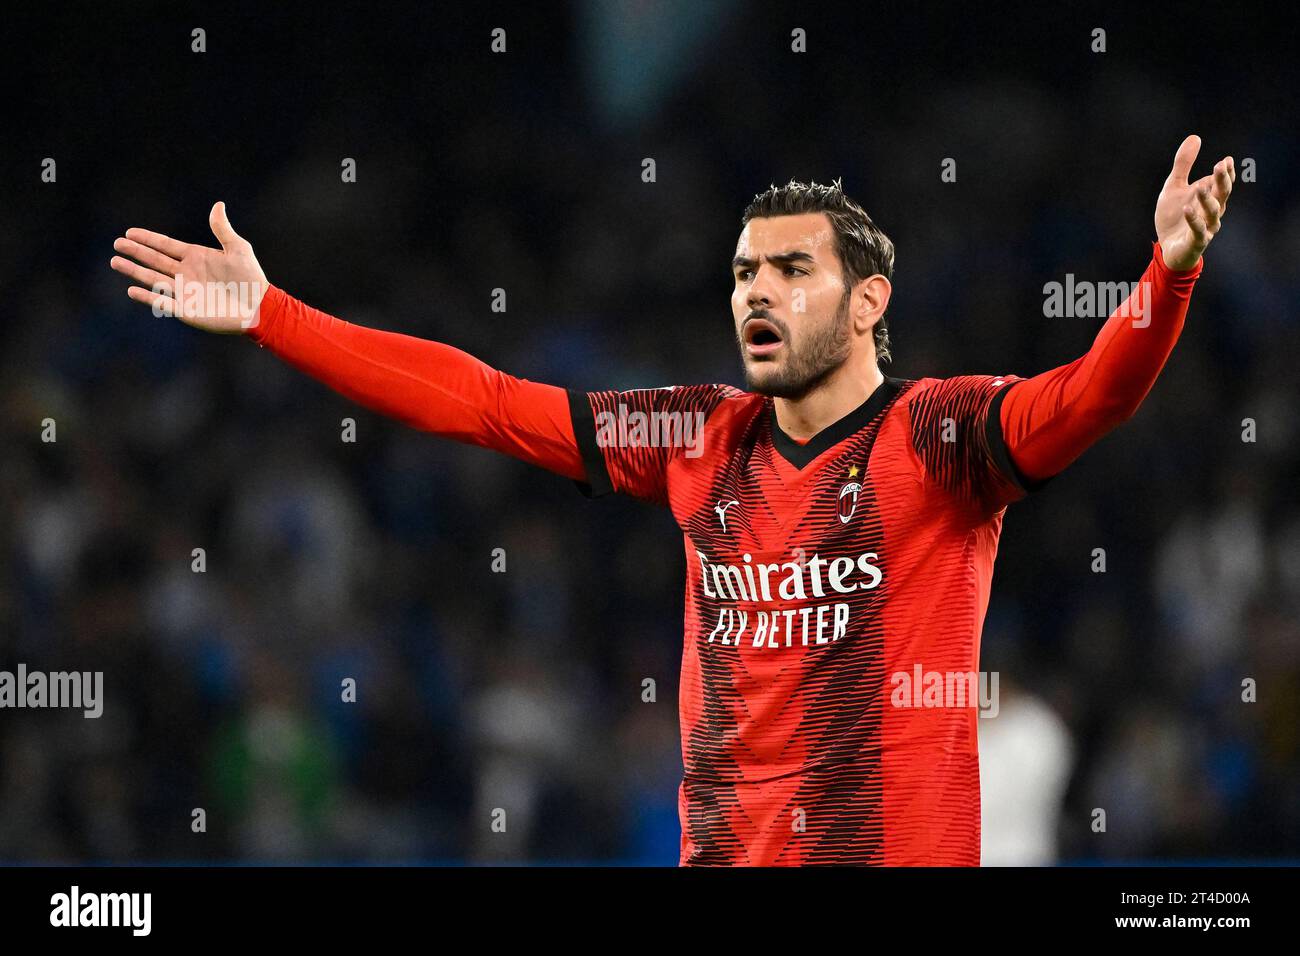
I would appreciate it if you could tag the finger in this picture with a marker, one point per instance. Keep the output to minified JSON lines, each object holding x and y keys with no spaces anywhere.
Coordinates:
{"x":1209,"y":209}
{"x":156,"y":240}
{"x":1223,"y":184}
{"x":162,"y":304}
{"x":151,"y":257}
{"x":1197,"y":226}
{"x":1218,"y":181}
{"x":221,"y":228}
{"x":1184,"y":158}
{"x":140,"y":274}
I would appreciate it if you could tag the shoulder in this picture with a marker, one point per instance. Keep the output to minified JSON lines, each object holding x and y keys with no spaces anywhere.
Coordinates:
{"x":666,"y":400}
{"x":955,"y":429}
{"x":958,"y":389}
{"x":724,"y":400}
{"x":929,"y":402}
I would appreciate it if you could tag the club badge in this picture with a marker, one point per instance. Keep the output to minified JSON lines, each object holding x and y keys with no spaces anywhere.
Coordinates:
{"x":848,"y":500}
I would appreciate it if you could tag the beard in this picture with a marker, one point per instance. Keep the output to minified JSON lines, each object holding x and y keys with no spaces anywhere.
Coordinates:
{"x":804,"y":368}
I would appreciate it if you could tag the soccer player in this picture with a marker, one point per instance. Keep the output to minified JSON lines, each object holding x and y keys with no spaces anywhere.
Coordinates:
{"x":840,"y":524}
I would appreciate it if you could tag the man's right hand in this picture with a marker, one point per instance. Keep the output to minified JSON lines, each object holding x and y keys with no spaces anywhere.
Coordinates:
{"x":217,"y":290}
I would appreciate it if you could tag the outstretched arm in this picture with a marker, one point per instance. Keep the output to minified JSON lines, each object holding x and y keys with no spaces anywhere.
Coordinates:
{"x":1052,"y":418}
{"x":424,"y":384}
{"x":427,"y":385}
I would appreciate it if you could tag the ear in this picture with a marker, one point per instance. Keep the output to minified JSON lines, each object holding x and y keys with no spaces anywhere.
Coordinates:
{"x":869,"y":301}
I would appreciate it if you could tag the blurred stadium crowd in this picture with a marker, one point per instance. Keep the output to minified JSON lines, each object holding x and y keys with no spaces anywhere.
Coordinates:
{"x":373,"y":560}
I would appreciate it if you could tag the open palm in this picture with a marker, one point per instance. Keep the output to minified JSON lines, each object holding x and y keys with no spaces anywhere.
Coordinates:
{"x":1189,"y":214}
{"x":217,"y":290}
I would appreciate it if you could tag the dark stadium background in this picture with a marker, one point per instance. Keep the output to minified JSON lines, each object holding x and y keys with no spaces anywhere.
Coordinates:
{"x":522,"y":171}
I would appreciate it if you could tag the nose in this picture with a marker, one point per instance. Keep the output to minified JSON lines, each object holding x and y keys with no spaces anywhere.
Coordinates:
{"x":762,"y":292}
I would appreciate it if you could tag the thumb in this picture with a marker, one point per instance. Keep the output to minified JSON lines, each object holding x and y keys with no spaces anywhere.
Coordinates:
{"x":1184,"y":158}
{"x":221,"y":227}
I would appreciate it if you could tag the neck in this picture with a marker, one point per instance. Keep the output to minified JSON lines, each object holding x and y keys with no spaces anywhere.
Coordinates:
{"x":844,"y":390}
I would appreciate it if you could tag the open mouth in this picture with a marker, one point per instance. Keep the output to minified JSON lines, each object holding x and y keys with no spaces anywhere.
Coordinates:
{"x":761,"y":337}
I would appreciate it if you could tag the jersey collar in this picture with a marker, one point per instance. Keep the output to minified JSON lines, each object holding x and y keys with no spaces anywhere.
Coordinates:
{"x":800,"y":455}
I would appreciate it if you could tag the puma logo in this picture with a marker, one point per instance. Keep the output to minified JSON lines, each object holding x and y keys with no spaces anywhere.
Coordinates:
{"x":721,"y":508}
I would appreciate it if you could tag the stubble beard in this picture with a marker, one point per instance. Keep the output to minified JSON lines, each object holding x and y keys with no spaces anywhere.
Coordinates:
{"x":807,"y":368}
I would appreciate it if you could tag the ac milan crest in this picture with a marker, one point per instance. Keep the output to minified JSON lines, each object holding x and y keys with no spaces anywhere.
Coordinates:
{"x":848,"y":501}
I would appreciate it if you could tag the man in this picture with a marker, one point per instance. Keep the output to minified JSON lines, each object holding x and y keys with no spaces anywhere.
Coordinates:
{"x":840,"y":525}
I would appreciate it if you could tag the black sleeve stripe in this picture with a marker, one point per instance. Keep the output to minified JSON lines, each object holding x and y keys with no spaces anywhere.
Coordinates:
{"x":998,"y":445}
{"x":584,"y":430}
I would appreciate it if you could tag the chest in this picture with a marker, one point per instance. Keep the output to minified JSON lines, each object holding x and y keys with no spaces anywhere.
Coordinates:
{"x":843,"y":501}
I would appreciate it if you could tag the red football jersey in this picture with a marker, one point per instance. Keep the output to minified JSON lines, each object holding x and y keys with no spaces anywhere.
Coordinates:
{"x":824,"y":582}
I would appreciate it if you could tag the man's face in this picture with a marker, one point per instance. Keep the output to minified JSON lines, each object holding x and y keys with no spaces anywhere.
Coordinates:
{"x":790,"y":304}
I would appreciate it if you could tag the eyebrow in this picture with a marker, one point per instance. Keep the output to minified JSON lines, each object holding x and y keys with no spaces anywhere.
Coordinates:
{"x":781,"y":258}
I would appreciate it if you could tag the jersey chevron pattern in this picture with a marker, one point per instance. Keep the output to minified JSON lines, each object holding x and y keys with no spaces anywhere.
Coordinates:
{"x":821,"y":577}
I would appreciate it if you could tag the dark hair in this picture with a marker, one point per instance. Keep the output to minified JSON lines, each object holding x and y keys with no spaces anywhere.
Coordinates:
{"x":863,"y":249}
